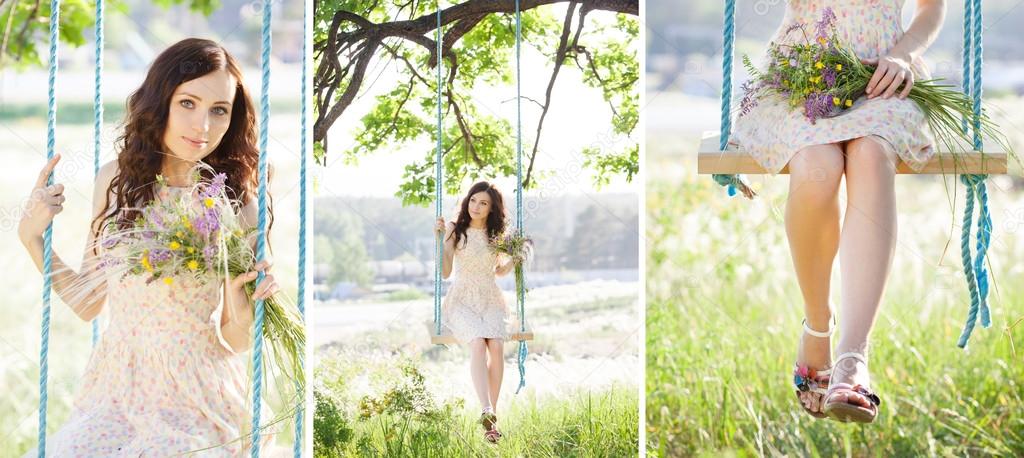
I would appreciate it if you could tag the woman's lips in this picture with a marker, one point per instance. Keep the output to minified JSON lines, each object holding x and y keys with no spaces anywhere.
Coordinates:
{"x":195,"y":143}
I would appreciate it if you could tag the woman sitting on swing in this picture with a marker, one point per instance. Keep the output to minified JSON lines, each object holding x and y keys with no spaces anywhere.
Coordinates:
{"x":474,"y":309}
{"x":165,"y":378}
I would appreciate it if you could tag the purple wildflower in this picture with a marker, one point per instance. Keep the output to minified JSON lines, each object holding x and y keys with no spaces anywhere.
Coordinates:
{"x":159,"y":255}
{"x":215,"y":187}
{"x":822,"y":27}
{"x":154,"y":217}
{"x":829,"y":75}
{"x":817,"y":105}
{"x":110,"y":242}
{"x":207,"y":223}
{"x":209,"y":253}
{"x":749,"y":100}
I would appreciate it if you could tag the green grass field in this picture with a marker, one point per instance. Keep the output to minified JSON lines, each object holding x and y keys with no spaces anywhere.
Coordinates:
{"x":404,"y":417}
{"x":724,"y":311}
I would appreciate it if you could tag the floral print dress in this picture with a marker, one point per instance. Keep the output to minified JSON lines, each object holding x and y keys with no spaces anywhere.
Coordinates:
{"x":474,"y":307}
{"x":772,"y":132}
{"x":161,"y":381}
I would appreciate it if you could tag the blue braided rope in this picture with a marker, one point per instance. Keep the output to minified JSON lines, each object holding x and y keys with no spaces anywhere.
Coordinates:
{"x":965,"y":250}
{"x":97,"y":124}
{"x":303,"y":208}
{"x":51,"y":134}
{"x":438,"y":189}
{"x":976,"y":89}
{"x":984,"y":235}
{"x":261,"y":238}
{"x":520,"y":293}
{"x":966,"y":56}
{"x":731,"y":182}
{"x":975,"y":270}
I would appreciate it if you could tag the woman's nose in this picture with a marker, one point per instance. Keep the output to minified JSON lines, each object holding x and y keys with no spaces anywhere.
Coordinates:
{"x":201,"y":122}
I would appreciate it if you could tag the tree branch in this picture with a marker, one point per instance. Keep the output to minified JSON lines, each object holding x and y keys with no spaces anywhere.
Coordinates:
{"x":559,"y":58}
{"x":463,"y":16}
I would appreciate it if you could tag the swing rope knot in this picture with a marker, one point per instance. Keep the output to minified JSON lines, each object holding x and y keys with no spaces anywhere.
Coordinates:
{"x":974,"y":269}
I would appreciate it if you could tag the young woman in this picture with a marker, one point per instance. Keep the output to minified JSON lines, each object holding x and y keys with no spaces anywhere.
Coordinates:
{"x":863,"y":144}
{"x":164,"y":379}
{"x":474,"y":309}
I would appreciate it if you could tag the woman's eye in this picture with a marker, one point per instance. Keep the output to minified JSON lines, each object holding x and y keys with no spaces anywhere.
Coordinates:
{"x":220,"y":111}
{"x":187,"y":103}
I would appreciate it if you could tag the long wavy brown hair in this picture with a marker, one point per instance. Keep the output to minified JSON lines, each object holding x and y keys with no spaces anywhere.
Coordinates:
{"x":495,"y":219}
{"x":140,"y":146}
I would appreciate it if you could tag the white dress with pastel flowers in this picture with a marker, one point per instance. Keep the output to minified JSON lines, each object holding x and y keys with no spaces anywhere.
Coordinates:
{"x":474,"y":306}
{"x":161,"y":381}
{"x":773,"y":131}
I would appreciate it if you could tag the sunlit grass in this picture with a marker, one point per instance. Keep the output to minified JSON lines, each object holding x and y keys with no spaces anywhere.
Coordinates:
{"x":724,"y":310}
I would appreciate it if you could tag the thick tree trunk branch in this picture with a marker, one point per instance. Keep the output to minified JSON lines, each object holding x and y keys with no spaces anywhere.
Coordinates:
{"x":462,"y":17}
{"x":560,"y":54}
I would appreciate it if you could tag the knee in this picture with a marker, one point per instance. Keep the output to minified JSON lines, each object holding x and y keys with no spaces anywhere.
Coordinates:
{"x":869,"y":157}
{"x":817,"y":170}
{"x":818,"y":164}
{"x":477,"y":347}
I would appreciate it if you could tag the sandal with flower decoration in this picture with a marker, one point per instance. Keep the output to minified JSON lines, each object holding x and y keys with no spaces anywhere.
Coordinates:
{"x":806,"y":379}
{"x":492,"y":435}
{"x":845,"y":411}
{"x":488,"y":419}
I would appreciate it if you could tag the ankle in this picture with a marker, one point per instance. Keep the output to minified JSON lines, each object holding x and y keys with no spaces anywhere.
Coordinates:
{"x":820,"y":322}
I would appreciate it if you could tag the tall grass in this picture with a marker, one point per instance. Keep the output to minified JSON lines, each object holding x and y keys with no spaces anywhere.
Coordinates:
{"x":723,"y":319}
{"x":402,"y":417}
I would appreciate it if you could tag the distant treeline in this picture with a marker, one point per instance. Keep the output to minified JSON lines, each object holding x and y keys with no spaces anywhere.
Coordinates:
{"x":571,"y":232}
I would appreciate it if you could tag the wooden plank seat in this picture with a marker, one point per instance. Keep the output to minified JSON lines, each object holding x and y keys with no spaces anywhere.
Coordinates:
{"x":994,"y":161}
{"x":446,"y":337}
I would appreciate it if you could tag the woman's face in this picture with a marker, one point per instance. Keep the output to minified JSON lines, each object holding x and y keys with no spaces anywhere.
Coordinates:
{"x":480,"y":206}
{"x":198,"y":115}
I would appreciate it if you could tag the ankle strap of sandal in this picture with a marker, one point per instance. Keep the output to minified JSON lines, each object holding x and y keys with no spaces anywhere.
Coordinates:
{"x":811,"y":332}
{"x":850,"y":354}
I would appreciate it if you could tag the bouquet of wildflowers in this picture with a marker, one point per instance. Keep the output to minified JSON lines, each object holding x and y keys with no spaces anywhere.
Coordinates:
{"x":823,"y":78}
{"x":198,"y":235}
{"x":519,"y":247}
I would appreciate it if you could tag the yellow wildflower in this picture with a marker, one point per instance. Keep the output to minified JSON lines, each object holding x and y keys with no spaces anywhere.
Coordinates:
{"x":174,"y":245}
{"x":193,"y":264}
{"x":821,"y":40}
{"x":168,"y":280}
{"x":180,"y":234}
{"x":836,"y":101}
{"x":839,"y":67}
{"x":145,"y":260}
{"x":849,"y":102}
{"x":191,"y":250}
{"x":818,"y":65}
{"x":184,"y":220}
{"x":208,"y":202}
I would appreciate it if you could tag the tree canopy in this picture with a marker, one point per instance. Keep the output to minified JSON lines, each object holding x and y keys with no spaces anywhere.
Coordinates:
{"x":25,"y":26}
{"x":477,"y":46}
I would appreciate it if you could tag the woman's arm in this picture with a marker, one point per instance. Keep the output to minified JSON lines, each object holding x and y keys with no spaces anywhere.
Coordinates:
{"x":237,"y":318}
{"x":448,"y":249}
{"x":505,"y":267}
{"x":86,"y":291}
{"x":895,"y":68}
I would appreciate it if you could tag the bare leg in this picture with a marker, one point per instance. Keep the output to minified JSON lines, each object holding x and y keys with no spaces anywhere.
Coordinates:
{"x":866,"y":251}
{"x":812,"y":227}
{"x":495,"y":368}
{"x":478,"y":370}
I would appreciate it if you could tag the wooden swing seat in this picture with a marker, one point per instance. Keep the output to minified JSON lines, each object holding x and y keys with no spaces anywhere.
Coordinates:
{"x":446,"y":337}
{"x":994,"y":161}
